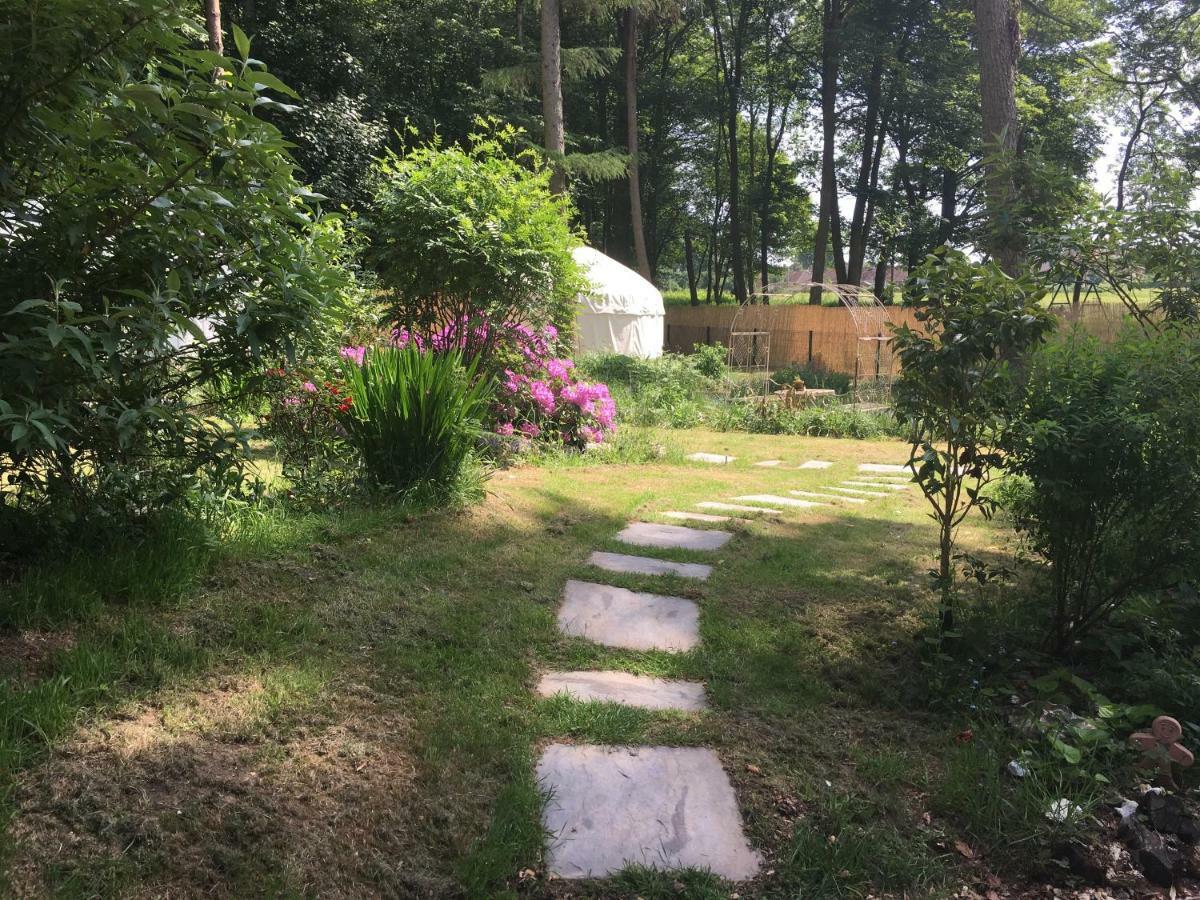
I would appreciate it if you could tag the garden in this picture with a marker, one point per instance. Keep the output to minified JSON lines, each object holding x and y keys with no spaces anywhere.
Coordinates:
{"x":331,"y":566}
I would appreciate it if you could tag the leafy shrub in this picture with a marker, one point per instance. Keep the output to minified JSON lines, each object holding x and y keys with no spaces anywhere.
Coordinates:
{"x":821,"y":420}
{"x":710,"y":360}
{"x":156,"y":247}
{"x":472,"y":236}
{"x":303,"y":423}
{"x":415,"y":416}
{"x":670,"y":390}
{"x":955,"y":384}
{"x":1109,"y":442}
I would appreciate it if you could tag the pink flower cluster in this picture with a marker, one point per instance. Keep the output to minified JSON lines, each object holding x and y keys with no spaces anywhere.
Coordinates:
{"x":541,"y":398}
{"x":457,"y":335}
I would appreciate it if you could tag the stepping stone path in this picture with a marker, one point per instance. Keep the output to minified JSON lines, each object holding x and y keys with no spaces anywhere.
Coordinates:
{"x":647,"y":565}
{"x":660,"y":807}
{"x":815,"y":495}
{"x":779,"y":501}
{"x":621,"y":687}
{"x":736,"y":507}
{"x":696,"y":517}
{"x":770,"y":463}
{"x":881,"y":467}
{"x":816,"y":464}
{"x":715,"y":458}
{"x":877,"y":485}
{"x":649,"y":534}
{"x":861,"y":493}
{"x":617,"y":617}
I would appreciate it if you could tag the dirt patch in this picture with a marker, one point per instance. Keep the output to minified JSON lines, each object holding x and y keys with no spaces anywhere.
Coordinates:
{"x":135,"y":808}
{"x":29,"y":655}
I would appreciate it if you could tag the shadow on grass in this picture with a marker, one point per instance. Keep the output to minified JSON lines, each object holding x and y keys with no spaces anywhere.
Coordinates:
{"x":407,"y":766}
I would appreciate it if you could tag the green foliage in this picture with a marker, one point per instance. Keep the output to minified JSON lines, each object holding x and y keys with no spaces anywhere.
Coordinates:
{"x":813,"y":377}
{"x":1108,"y":440}
{"x":472,"y":236}
{"x":303,"y":424}
{"x":710,"y":360}
{"x":673,"y":390}
{"x":416,"y":417}
{"x":1158,"y":245}
{"x":156,"y":247}
{"x":819,"y":420}
{"x":955,"y":383}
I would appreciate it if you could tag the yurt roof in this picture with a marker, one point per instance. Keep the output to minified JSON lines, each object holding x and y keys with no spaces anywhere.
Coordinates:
{"x":616,"y":289}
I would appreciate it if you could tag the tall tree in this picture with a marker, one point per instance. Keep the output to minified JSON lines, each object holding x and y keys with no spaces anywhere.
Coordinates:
{"x":998,"y":39}
{"x":552,"y":98}
{"x":631,"y":125}
{"x":730,"y":26}
{"x":833,"y":17}
{"x":212,"y":22}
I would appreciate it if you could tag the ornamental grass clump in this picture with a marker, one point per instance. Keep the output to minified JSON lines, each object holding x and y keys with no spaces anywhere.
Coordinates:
{"x":416,"y":417}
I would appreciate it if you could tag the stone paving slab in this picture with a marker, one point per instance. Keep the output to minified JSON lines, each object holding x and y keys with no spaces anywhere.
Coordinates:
{"x":816,"y":496}
{"x":650,"y":534}
{"x":617,"y":617}
{"x":877,"y":485}
{"x":646,"y":565}
{"x":736,"y":507}
{"x":621,"y":687}
{"x":779,"y":501}
{"x":696,"y":517}
{"x":716,"y":458}
{"x":816,"y":464}
{"x":770,"y":463}
{"x":861,"y":493}
{"x":881,"y":467}
{"x":660,"y":807}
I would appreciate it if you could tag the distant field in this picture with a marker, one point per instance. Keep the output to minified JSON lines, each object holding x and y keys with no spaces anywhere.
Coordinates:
{"x":1144,"y":297}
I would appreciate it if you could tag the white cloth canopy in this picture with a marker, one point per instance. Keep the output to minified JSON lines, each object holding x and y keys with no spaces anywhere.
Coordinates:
{"x":620,"y":312}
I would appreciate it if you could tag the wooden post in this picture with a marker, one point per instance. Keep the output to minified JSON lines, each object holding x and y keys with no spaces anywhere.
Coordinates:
{"x":810,"y":337}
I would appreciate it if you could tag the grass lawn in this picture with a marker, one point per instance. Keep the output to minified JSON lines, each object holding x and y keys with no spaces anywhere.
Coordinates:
{"x":342,"y":705}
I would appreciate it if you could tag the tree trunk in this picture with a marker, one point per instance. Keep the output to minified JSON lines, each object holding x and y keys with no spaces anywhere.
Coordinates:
{"x":631,"y":127}
{"x":881,"y":270}
{"x":730,"y":59}
{"x":998,"y":34}
{"x":948,"y":217}
{"x":831,"y":22}
{"x":212,"y":22}
{"x":520,"y":15}
{"x":689,"y":256}
{"x":552,"y":99}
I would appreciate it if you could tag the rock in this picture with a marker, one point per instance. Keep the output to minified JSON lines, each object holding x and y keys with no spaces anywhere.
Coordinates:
{"x":1127,"y":810}
{"x":1191,"y":862}
{"x":1016,"y":770}
{"x":1160,"y":864}
{"x":1167,"y":814}
{"x":1084,"y":862}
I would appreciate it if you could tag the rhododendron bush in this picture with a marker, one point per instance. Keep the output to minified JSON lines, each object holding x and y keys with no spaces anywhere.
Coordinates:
{"x":541,"y":396}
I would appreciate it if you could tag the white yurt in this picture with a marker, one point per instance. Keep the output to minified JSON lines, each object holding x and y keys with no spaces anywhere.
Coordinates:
{"x":620,"y":311}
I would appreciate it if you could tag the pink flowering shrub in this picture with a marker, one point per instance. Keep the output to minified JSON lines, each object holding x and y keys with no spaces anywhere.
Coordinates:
{"x":540,"y":395}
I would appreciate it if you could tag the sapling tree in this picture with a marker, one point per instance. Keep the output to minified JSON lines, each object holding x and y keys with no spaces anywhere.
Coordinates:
{"x":955,"y":385}
{"x":472,"y":236}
